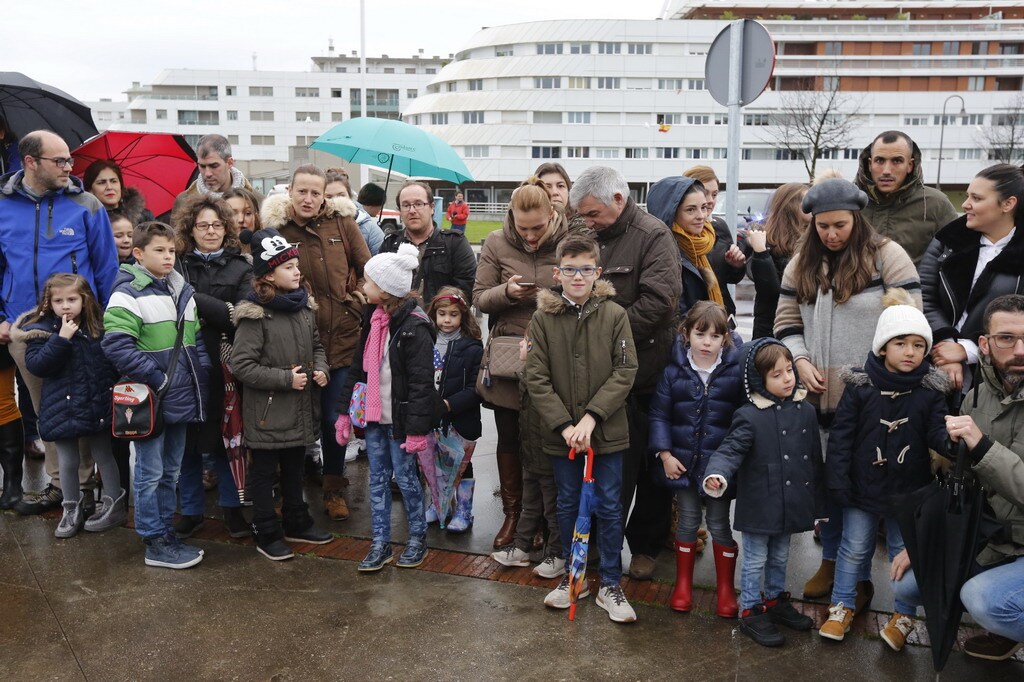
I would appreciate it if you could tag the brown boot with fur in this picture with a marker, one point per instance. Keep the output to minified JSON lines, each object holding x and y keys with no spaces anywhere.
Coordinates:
{"x":334,"y":497}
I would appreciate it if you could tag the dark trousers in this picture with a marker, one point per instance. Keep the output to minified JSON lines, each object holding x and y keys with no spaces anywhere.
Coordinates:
{"x":265,"y":464}
{"x":29,"y":421}
{"x":651,"y":518}
{"x":122,"y":452}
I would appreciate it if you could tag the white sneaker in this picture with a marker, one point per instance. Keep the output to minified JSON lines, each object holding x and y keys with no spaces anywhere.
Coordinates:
{"x":511,"y":556}
{"x":611,"y":599}
{"x":551,"y":567}
{"x":558,"y":598}
{"x":353,"y":448}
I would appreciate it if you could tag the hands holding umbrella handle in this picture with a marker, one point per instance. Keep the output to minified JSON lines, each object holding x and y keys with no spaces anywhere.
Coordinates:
{"x":673,"y":467}
{"x":963,"y":426}
{"x":578,"y":437}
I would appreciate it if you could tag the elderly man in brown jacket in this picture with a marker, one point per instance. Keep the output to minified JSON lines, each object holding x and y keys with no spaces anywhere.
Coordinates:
{"x":641,"y":260}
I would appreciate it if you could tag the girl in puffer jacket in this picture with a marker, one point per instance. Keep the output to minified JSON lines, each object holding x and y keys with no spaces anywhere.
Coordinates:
{"x":63,"y":348}
{"x":690,"y":415}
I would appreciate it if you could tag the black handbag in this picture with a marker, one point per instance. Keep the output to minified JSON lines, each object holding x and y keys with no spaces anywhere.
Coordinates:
{"x":136,"y":406}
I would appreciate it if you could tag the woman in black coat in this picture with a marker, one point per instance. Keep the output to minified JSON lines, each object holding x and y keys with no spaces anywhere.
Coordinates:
{"x":211,"y":261}
{"x":954,"y":292}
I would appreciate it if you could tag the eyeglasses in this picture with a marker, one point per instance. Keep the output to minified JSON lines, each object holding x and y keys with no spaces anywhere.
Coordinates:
{"x":216,"y":226}
{"x":58,"y":161}
{"x":414,"y":206}
{"x":1005,"y":341}
{"x":569,"y":271}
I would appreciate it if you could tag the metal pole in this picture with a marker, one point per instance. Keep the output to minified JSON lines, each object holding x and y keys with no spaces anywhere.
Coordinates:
{"x":942,"y":136}
{"x":732,"y":164}
{"x":362,"y":57}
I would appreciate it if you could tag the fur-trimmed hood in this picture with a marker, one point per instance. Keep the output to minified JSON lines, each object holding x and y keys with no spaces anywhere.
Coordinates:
{"x":250,"y":310}
{"x":753,"y":384}
{"x":133,"y":205}
{"x":934,"y":380}
{"x":277,"y":210}
{"x":551,"y":300}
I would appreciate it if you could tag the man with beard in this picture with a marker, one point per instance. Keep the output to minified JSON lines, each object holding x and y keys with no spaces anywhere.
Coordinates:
{"x":995,"y":596}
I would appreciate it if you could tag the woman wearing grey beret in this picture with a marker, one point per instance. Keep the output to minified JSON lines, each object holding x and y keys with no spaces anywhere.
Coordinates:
{"x":829,"y":305}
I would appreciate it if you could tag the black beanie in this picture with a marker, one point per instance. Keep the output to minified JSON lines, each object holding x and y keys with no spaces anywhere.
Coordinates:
{"x":269,"y":249}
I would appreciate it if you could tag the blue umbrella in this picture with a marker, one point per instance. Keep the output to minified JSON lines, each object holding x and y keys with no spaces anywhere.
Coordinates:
{"x":581,"y":533}
{"x":394,"y":145}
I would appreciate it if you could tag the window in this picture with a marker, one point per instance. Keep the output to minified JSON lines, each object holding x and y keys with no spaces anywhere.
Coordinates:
{"x":546,"y":153}
{"x":503,"y":51}
{"x":192,"y":117}
{"x":232,"y":139}
{"x":915,"y":120}
{"x":755,"y":120}
{"x":138,"y":115}
{"x":439,"y":119}
{"x":304,"y":140}
{"x":431,"y":70}
{"x":951,"y":47}
{"x":578,"y":117}
{"x":476,"y":84}
{"x":337,"y":117}
{"x":307,"y":92}
{"x":670,"y":83}
{"x":606,"y":153}
{"x":833,"y":48}
{"x":341,"y":69}
{"x":696,"y":153}
{"x":609,"y":83}
{"x":261,"y":115}
{"x":307,"y":116}
{"x":976,"y":83}
{"x":548,"y":82}
{"x":972,"y":120}
{"x":260,"y":91}
{"x":950,"y":119}
{"x":547,"y":117}
{"x":579,"y":82}
{"x":579,"y":48}
{"x":830,"y":83}
{"x":1009,"y":48}
{"x":638,"y":48}
{"x":695,"y":84}
{"x":746,"y":154}
{"x":230,"y":90}
{"x":472,"y":117}
{"x":785,"y":155}
{"x":387,"y":69}
{"x":979,"y":47}
{"x":670,"y":119}
{"x":450,"y":86}
{"x":336,"y":93}
{"x":411,"y":93}
{"x":698,"y":119}
{"x":970,"y":154}
{"x":549,"y":48}
{"x":232,"y":115}
{"x":161,"y":115}
{"x":637,"y":152}
{"x":264,"y":140}
{"x":666,"y":152}
{"x":609,"y":48}
{"x":577,"y":152}
{"x":922,"y":49}
{"x":828,"y":154}
{"x":476,"y":151}
{"x":410,"y":69}
{"x":720,"y":152}
{"x":721,"y":119}
{"x":1007,"y":119}
{"x":850,"y":154}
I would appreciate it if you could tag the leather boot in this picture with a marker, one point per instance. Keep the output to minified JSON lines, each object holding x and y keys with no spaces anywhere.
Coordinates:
{"x":510,"y":475}
{"x":725,"y":574}
{"x":12,"y":442}
{"x":334,"y":497}
{"x":686,"y":554}
{"x":820,"y":584}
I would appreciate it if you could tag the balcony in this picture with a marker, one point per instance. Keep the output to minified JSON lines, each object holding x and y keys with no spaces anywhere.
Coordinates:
{"x":894,"y":28}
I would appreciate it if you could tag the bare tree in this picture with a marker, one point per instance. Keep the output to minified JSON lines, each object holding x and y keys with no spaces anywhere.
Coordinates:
{"x":812,"y":123}
{"x":1004,"y":138}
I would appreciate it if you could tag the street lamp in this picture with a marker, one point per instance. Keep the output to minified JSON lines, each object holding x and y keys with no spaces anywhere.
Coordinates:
{"x":942,"y":135}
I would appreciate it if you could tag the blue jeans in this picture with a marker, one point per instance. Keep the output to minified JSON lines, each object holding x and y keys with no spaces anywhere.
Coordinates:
{"x":608,"y":485}
{"x":157,"y":462}
{"x":763,"y":555}
{"x":688,"y":502}
{"x":330,"y":406}
{"x":856,"y":550}
{"x":387,"y":458}
{"x":190,"y":484}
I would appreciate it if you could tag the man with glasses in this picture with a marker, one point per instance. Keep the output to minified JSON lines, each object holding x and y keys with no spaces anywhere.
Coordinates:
{"x":446,"y":258}
{"x":49,"y":224}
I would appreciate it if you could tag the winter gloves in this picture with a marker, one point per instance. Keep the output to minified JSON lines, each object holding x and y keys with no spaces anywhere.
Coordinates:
{"x":342,"y":429}
{"x":414,"y":444}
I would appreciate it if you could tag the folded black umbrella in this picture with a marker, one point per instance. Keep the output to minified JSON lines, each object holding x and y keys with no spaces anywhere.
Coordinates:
{"x":29,"y":105}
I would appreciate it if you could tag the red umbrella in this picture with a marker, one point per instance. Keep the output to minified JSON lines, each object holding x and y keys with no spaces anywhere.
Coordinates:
{"x":160,"y":165}
{"x":231,"y":426}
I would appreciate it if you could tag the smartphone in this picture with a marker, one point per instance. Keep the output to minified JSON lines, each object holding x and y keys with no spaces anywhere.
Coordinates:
{"x":527,"y":284}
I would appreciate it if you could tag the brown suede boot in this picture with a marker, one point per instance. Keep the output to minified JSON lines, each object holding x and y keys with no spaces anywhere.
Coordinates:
{"x":820,"y":584}
{"x":510,"y":474}
{"x":334,"y":497}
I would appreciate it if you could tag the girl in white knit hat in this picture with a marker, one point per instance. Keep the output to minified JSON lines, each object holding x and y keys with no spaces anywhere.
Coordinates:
{"x":892,"y":411}
{"x":395,"y":361}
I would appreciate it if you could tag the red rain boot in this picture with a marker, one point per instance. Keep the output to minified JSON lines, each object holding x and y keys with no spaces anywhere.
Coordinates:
{"x":725,"y":573}
{"x":681,"y":595}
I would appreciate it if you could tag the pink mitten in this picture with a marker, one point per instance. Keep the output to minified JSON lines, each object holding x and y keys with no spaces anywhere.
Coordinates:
{"x":342,"y":429}
{"x":414,"y":444}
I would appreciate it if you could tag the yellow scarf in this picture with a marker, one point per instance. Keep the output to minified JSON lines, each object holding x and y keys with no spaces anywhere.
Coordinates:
{"x":697,"y":249}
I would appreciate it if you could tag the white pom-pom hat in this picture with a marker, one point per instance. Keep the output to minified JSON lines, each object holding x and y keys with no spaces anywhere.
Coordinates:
{"x":393,"y":272}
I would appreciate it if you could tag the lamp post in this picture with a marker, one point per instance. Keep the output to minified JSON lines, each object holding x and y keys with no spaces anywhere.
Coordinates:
{"x":942,"y":135}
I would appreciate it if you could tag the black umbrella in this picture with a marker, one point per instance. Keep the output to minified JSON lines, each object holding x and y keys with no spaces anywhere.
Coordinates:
{"x":942,"y":530}
{"x":29,"y":105}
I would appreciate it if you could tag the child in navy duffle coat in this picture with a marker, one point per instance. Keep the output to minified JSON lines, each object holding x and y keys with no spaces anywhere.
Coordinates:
{"x":690,"y":414}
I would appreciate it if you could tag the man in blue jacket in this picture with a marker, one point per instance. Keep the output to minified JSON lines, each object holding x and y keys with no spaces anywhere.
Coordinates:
{"x":48,"y":224}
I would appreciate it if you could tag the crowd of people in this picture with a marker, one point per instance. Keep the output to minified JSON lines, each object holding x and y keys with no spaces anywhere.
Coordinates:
{"x":885,"y":327}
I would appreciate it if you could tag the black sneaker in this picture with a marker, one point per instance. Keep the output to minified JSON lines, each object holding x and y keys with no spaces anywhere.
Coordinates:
{"x":312,"y":535}
{"x":758,"y":626}
{"x":188,"y":524}
{"x":50,"y":498}
{"x":781,"y":612}
{"x":276,"y":550}
{"x":235,"y":523}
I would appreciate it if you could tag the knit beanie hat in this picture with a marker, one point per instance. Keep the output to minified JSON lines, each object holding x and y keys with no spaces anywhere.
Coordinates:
{"x":901,"y":317}
{"x":835,"y":194}
{"x":269,"y":249}
{"x":392,"y":272}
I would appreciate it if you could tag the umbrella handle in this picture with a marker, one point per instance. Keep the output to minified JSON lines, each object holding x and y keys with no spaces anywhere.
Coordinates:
{"x":588,"y":468}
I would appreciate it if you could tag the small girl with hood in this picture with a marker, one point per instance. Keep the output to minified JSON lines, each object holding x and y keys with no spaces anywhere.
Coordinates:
{"x":690,"y":415}
{"x":772,"y":459}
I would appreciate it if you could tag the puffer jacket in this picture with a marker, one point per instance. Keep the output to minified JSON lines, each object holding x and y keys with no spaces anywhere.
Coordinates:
{"x":690,"y":419}
{"x":884,"y":425}
{"x":771,"y":458}
{"x":912,"y":214}
{"x":330,"y":248}
{"x":416,"y":406}
{"x":641,"y":260}
{"x":947,"y":279}
{"x":77,"y":380}
{"x":581,"y":360}
{"x":457,"y":385}
{"x":268,"y":344}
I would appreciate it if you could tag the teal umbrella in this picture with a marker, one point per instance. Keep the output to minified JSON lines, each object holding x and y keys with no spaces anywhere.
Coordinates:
{"x":394,"y":145}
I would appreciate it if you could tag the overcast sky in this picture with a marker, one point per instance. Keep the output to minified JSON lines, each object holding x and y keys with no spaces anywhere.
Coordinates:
{"x":96,"y":49}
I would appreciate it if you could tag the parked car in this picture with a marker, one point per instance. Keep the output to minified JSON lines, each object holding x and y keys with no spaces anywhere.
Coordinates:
{"x":751,"y":206}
